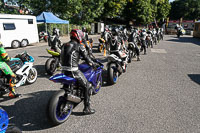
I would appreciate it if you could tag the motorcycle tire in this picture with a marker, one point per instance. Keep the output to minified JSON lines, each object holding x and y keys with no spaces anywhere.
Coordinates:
{"x":32,"y":76}
{"x":112,"y":74}
{"x":51,"y":66}
{"x":55,"y":107}
{"x":13,"y":129}
{"x":130,"y":54}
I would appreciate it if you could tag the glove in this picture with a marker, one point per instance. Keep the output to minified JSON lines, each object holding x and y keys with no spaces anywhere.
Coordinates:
{"x":95,"y":65}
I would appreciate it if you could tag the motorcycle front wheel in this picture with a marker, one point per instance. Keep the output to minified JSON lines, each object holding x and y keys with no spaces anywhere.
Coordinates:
{"x":58,"y":108}
{"x":112,"y":74}
{"x":51,"y":66}
{"x":32,"y":76}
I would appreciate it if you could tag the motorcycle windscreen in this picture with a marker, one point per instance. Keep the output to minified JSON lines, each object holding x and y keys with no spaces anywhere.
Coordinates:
{"x":61,"y":78}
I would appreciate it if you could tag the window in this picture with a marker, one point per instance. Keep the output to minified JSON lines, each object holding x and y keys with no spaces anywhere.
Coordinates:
{"x":30,"y":21}
{"x":9,"y":26}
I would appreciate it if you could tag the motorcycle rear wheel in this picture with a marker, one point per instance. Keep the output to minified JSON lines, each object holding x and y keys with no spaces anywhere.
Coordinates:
{"x":112,"y":74}
{"x":51,"y":66}
{"x":57,"y":111}
{"x":32,"y":76}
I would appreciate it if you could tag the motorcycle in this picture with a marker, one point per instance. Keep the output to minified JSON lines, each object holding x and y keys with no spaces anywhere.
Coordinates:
{"x":149,"y":40}
{"x":115,"y":68}
{"x":53,"y":63}
{"x":4,"y":124}
{"x":71,"y":94}
{"x":22,"y":66}
{"x":43,"y":36}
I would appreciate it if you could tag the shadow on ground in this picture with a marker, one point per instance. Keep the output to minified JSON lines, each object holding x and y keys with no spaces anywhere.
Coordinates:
{"x":195,"y":78}
{"x":29,"y":114}
{"x":41,"y":71}
{"x":186,"y":39}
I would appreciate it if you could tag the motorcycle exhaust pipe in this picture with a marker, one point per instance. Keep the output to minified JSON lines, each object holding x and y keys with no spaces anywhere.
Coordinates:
{"x":73,"y":98}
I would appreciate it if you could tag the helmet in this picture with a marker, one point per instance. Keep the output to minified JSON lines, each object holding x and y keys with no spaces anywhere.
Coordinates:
{"x":115,"y":31}
{"x":83,"y":29}
{"x":143,"y":30}
{"x":76,"y":34}
{"x":56,"y":31}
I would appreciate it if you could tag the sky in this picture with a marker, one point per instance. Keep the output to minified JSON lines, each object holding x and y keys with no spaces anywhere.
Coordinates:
{"x":171,"y":0}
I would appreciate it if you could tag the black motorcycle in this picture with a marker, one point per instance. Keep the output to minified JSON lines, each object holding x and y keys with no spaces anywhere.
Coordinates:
{"x":53,"y":63}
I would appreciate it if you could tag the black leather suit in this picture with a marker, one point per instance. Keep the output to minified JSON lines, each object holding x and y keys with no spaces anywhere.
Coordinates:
{"x":70,"y":56}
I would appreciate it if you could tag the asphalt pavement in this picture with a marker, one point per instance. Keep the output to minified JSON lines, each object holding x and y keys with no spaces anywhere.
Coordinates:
{"x":159,"y":94}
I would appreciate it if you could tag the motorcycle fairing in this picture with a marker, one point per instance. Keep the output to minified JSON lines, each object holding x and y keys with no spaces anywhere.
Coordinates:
{"x":113,"y":57}
{"x":62,"y":78}
{"x":51,"y":52}
{"x":89,"y":73}
{"x":24,"y":71}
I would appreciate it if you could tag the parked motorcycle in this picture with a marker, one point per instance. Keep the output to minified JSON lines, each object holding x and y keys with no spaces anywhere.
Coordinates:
{"x":62,"y":102}
{"x":149,"y":39}
{"x":115,"y":68}
{"x":4,"y":124}
{"x":22,"y":66}
{"x":53,"y":63}
{"x":43,"y":36}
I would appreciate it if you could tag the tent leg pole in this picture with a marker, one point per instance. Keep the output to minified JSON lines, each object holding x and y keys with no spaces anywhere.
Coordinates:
{"x":68,"y":29}
{"x":46,"y":27}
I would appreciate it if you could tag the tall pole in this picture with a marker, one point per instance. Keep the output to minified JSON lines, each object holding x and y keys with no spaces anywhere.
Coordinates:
{"x":46,"y":27}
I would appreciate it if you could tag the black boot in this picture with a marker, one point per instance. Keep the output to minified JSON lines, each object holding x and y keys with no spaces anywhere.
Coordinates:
{"x":87,"y":110}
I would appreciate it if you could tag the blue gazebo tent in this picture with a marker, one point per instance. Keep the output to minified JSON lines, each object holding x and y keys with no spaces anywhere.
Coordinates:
{"x":49,"y":17}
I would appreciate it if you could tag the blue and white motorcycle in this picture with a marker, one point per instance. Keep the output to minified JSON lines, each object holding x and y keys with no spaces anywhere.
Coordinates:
{"x":63,"y":101}
{"x":22,"y":66}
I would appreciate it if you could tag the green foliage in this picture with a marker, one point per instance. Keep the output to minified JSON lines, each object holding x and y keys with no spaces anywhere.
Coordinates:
{"x":146,"y":11}
{"x":83,"y":12}
{"x":140,"y":11}
{"x":113,"y":8}
{"x":186,"y":9}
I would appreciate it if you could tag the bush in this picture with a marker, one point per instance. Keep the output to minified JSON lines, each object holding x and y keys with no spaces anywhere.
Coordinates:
{"x":63,"y":27}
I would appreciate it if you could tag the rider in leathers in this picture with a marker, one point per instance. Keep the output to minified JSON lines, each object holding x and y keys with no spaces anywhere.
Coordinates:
{"x":70,"y":56}
{"x":84,"y":42}
{"x":143,"y":36}
{"x":7,"y":71}
{"x":117,"y":48}
{"x":54,"y":41}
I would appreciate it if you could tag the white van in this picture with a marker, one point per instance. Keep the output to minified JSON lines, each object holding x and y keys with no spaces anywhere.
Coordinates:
{"x":18,"y":30}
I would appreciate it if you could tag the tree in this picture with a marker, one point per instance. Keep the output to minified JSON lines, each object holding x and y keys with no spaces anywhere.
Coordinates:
{"x":163,"y":9}
{"x":187,"y":9}
{"x":113,"y":8}
{"x":139,"y":10}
